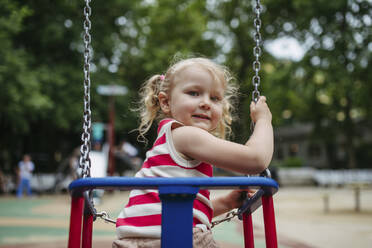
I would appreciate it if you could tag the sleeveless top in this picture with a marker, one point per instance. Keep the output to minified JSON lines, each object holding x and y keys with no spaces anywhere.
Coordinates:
{"x":141,"y":217}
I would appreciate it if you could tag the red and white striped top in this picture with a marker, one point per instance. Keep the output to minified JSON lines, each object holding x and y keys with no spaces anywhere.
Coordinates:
{"x":141,"y":217}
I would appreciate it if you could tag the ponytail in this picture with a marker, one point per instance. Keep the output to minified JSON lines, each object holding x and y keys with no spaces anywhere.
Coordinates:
{"x":149,"y":107}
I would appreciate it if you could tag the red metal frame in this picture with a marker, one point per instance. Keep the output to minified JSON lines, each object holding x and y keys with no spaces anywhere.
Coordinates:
{"x":87,"y":230}
{"x":77,"y":220}
{"x":248,"y":230}
{"x":269,"y":220}
{"x":77,"y":205}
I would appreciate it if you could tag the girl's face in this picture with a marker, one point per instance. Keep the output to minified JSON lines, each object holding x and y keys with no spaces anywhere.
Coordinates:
{"x":195,"y":99}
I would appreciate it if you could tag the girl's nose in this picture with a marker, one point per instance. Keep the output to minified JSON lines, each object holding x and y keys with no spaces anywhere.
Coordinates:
{"x":205,"y":103}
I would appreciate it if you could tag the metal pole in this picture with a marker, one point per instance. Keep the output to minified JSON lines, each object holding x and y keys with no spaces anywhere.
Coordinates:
{"x":269,"y":220}
{"x":177,"y":215}
{"x":248,"y":230}
{"x":87,"y":230}
{"x":77,"y":204}
{"x":111,"y":135}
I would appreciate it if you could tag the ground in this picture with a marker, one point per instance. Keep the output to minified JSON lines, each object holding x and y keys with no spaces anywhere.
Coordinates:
{"x":301,"y":220}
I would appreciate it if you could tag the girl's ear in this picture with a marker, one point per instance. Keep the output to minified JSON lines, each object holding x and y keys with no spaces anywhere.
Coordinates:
{"x":164,"y":102}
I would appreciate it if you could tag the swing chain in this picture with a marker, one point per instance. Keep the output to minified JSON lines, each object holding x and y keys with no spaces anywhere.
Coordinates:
{"x":256,"y":80}
{"x":85,"y":162}
{"x":257,"y":51}
{"x":230,"y":215}
{"x":105,"y":216}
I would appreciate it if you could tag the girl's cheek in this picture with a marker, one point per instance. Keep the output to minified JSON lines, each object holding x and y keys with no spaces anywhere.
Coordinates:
{"x":220,"y":112}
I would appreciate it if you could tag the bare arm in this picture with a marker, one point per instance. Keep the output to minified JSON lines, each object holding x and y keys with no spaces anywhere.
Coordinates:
{"x":263,"y":134}
{"x":251,"y":158}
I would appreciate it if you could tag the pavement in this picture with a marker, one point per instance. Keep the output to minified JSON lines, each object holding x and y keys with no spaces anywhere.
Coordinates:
{"x":303,"y":220}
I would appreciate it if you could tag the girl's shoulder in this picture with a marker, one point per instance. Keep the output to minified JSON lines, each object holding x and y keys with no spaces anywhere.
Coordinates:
{"x":168,"y":123}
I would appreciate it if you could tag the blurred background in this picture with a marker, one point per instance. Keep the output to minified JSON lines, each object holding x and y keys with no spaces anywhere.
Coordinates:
{"x":315,"y":72}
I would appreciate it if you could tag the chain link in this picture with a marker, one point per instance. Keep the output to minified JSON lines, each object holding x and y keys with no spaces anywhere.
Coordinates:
{"x":84,"y":162}
{"x":256,"y":80}
{"x":104,"y":215}
{"x":230,"y":215}
{"x":257,"y":51}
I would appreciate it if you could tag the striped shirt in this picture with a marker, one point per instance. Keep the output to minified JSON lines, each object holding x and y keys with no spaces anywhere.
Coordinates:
{"x":141,"y":217}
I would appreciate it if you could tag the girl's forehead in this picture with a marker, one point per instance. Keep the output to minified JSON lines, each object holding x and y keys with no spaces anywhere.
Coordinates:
{"x":199,"y":72}
{"x":194,"y":72}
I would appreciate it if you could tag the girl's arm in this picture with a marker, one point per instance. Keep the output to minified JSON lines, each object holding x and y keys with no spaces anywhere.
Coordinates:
{"x":251,"y":158}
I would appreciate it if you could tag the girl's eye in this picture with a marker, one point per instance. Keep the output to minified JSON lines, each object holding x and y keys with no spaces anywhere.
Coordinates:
{"x":193,"y":93}
{"x":215,"y":98}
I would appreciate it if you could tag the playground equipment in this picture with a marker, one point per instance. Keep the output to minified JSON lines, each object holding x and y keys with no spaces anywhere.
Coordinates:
{"x":176,"y":194}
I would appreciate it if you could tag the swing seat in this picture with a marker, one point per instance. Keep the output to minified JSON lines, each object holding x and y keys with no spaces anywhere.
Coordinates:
{"x":177,"y":196}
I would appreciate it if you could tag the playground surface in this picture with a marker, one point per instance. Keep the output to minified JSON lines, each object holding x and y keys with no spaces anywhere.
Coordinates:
{"x":301,"y":220}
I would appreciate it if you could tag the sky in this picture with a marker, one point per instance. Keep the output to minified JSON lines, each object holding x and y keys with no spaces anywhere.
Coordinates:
{"x":285,"y":48}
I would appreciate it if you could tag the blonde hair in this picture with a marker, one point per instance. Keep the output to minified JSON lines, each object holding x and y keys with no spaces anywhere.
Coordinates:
{"x":149,"y":107}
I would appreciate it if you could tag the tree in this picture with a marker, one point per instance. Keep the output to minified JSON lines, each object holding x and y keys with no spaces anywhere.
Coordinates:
{"x":43,"y":77}
{"x":327,"y":87}
{"x":335,"y":67}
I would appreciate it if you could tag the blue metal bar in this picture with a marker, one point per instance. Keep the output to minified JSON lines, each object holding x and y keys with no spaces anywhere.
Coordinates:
{"x":176,"y":209}
{"x":127,"y":183}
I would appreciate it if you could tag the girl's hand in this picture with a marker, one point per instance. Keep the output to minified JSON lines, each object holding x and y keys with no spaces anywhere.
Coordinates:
{"x":232,"y":200}
{"x":235,"y":198}
{"x":260,"y":110}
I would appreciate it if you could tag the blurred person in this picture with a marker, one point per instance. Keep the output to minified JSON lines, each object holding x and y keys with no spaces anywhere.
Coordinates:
{"x":128,"y":154}
{"x":3,"y":183}
{"x":25,"y":169}
{"x":99,"y":164}
{"x":75,"y":171}
{"x":128,"y":149}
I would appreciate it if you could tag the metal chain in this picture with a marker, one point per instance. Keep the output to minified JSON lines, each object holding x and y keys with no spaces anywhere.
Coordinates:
{"x":256,"y":80}
{"x":104,"y":215}
{"x":257,"y":52}
{"x":84,"y":162}
{"x":230,"y":215}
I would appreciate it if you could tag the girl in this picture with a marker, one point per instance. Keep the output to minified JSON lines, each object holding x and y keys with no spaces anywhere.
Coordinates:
{"x":192,"y":102}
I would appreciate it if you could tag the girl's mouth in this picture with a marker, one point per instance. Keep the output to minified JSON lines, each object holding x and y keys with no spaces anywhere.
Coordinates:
{"x":204,"y":117}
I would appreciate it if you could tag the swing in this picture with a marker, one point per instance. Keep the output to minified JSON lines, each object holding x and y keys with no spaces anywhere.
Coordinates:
{"x":176,"y":194}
